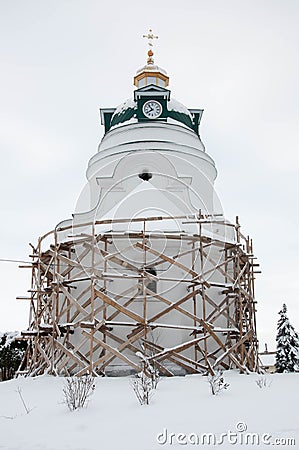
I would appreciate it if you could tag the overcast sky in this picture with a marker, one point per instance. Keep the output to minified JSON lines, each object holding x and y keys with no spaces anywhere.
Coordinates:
{"x":238,"y":60}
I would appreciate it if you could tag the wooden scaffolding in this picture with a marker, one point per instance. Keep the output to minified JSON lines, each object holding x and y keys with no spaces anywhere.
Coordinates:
{"x":79,"y":324}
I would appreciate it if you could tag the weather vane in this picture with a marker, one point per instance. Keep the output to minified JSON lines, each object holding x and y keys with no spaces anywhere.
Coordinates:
{"x":150,"y":37}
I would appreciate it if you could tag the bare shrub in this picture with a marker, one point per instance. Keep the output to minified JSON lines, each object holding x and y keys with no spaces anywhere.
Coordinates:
{"x":149,"y":367}
{"x":263,"y":382}
{"x":217,"y":382}
{"x":77,"y":391}
{"x":143,"y":387}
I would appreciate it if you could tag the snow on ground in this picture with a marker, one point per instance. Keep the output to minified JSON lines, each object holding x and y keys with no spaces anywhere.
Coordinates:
{"x":114,"y":420}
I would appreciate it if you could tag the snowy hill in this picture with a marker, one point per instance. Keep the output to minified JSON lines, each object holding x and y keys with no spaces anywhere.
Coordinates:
{"x":114,"y":420}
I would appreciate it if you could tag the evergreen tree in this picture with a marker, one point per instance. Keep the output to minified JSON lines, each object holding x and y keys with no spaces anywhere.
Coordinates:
{"x":11,"y":355}
{"x":287,"y":354}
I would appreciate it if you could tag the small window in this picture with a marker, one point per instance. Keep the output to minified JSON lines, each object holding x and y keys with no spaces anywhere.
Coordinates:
{"x":151,"y":80}
{"x":151,"y":284}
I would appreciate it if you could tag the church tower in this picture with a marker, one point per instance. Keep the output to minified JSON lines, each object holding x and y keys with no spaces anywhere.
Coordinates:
{"x":148,"y":268}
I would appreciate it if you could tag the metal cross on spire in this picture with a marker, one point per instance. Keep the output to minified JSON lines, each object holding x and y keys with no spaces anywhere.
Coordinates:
{"x":150,"y":37}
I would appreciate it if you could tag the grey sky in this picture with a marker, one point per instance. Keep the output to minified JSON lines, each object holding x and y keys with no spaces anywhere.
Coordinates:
{"x":62,"y":60}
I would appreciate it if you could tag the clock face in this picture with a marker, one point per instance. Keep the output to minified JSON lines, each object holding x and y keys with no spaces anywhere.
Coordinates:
{"x":152,"y":109}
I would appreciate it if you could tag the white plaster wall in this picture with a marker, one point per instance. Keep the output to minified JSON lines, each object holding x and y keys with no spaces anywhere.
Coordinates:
{"x":173,"y":154}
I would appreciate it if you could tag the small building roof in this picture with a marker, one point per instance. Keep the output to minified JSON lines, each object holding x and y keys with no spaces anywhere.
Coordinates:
{"x":267,"y":359}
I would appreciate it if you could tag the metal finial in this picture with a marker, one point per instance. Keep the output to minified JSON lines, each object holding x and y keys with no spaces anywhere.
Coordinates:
{"x":150,"y":37}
